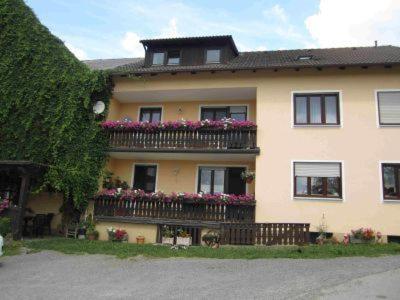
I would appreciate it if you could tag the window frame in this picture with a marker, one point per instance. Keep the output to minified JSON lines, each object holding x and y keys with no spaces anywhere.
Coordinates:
{"x":212,"y":62}
{"x":226,"y":106}
{"x":167,"y":57}
{"x":156,"y":165}
{"x":152,"y":58}
{"x":378,"y":112}
{"x":216,"y":166}
{"x":322,"y":94}
{"x":339,"y":198}
{"x":382,"y":164}
{"x":140,"y":108}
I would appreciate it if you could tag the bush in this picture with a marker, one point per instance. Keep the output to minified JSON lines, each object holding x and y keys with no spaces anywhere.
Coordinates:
{"x":5,"y":226}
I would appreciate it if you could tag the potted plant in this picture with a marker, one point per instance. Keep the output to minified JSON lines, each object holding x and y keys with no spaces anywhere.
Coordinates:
{"x":81,"y":233}
{"x":117,"y":235}
{"x":167,"y":236}
{"x":211,"y":239}
{"x":362,"y":236}
{"x":248,"y":176}
{"x":140,"y":239}
{"x":183,"y":238}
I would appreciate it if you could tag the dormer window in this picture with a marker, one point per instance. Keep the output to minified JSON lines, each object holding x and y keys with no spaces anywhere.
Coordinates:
{"x":173,"y":57}
{"x":213,"y":56}
{"x":158,"y":58}
{"x":304,"y":57}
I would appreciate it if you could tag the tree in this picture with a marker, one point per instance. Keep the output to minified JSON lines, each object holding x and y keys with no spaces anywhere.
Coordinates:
{"x":46,"y":100}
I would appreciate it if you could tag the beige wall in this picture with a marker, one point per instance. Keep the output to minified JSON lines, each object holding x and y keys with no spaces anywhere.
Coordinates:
{"x":133,"y":230}
{"x":45,"y":203}
{"x":172,"y":111}
{"x":358,"y":143}
{"x":173,"y":175}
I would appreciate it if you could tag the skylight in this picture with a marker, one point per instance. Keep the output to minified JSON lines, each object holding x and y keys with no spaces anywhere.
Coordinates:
{"x":304,"y":57}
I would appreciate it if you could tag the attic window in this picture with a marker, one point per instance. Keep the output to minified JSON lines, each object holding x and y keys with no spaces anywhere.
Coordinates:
{"x":213,"y":56}
{"x":173,"y":57}
{"x":158,"y":58}
{"x":304,"y":57}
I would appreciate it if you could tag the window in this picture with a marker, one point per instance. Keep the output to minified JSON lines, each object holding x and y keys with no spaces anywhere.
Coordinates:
{"x":173,"y":57}
{"x":213,"y":56}
{"x":158,"y":58}
{"x":318,"y":179}
{"x":389,"y":108}
{"x":391,"y":181}
{"x":316,"y":109}
{"x":217,"y":113}
{"x":150,"y":114}
{"x":145,"y":178}
{"x":214,"y":180}
{"x":304,"y":57}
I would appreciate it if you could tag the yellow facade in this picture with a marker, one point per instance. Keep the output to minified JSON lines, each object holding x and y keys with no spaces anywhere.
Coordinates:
{"x":359,"y":143}
{"x":47,"y":203}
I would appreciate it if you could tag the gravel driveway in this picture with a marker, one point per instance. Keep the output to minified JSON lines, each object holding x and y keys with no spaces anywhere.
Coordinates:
{"x":50,"y":275}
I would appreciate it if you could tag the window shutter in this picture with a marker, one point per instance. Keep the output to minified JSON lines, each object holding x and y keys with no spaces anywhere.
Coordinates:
{"x":317,"y":169}
{"x":389,"y":107}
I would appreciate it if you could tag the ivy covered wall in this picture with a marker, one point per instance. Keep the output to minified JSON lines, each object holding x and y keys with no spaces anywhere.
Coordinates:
{"x":46,"y":104}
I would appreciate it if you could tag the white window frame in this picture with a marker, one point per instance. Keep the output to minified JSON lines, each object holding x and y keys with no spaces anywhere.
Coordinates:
{"x":382,"y":199}
{"x":339,"y":92}
{"x":150,"y":106}
{"x":218,"y":166}
{"x":145,"y":164}
{"x":223,"y":105}
{"x":296,"y":198}
{"x":378,"y":124}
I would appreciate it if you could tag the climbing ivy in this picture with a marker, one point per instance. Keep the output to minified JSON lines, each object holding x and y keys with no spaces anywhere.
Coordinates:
{"x":46,"y":105}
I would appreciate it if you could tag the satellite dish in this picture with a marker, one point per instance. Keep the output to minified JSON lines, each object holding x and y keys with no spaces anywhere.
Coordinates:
{"x":99,"y":107}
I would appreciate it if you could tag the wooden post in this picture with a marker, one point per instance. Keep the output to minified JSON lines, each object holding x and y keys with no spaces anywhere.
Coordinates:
{"x":19,"y":217}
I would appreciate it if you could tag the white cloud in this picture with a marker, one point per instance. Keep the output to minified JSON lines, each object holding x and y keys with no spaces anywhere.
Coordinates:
{"x":355,"y":22}
{"x":171,"y":30}
{"x":78,"y":52}
{"x":130,"y":43}
{"x":277,"y":12}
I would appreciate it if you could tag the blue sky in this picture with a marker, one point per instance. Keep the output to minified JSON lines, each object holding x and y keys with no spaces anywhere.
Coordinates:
{"x":112,"y":28}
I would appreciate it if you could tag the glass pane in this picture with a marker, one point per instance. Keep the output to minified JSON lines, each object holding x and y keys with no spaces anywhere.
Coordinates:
{"x":220,"y":114}
{"x":219,"y":176}
{"x":238,"y":113}
{"x":389,"y":181}
{"x":205,"y":180}
{"x":145,"y":116}
{"x":301,"y":110}
{"x":207,"y":115}
{"x":173,"y":57}
{"x":331,"y":110}
{"x":333,"y":186}
{"x":317,"y":186}
{"x":238,"y":109}
{"x":156,"y":116}
{"x":301,"y":186}
{"x":315,"y":109}
{"x":158,"y":58}
{"x":213,"y":56}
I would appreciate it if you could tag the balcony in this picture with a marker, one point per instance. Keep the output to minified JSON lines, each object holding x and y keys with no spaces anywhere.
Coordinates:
{"x":157,"y":208}
{"x":239,"y":137}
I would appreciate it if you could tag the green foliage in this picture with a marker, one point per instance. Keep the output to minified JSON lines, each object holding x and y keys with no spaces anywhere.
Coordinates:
{"x":46,"y":100}
{"x":5,"y":226}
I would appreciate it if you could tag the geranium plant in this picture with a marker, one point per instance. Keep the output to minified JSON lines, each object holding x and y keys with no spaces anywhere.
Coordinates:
{"x":224,"y":124}
{"x":4,"y":204}
{"x":248,"y":176}
{"x":117,"y":235}
{"x":363,"y":234}
{"x":140,"y":195}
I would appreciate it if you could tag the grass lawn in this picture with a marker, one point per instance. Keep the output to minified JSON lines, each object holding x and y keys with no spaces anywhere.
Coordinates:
{"x":12,"y":248}
{"x":121,"y":250}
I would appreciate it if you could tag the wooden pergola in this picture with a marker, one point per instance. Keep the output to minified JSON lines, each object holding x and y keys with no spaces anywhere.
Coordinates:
{"x":25,"y":172}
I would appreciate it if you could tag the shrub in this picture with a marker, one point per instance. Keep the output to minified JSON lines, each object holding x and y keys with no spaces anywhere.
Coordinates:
{"x":5,"y":226}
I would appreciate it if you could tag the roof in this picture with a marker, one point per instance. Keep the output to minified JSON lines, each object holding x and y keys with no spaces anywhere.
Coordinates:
{"x":192,"y":40}
{"x":107,"y":64}
{"x":328,"y":57}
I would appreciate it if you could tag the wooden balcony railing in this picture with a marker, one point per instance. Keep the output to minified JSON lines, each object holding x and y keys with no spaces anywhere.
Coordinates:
{"x":126,"y":139}
{"x":174,"y":211}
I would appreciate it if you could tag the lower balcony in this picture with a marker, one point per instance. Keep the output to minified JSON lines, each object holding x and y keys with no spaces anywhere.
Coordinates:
{"x":189,"y":137}
{"x":184,"y":208}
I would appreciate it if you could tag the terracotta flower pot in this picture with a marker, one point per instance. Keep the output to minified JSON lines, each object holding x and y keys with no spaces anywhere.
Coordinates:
{"x":249,"y":180}
{"x":140,"y":240}
{"x":91,"y":237}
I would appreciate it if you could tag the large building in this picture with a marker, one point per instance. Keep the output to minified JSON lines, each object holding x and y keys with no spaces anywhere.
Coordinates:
{"x":319,"y":127}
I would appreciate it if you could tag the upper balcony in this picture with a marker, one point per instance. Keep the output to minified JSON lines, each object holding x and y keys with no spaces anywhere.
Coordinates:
{"x":183,"y":136}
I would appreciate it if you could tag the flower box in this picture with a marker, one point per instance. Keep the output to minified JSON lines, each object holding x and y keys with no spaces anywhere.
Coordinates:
{"x":167,"y":240}
{"x":184,"y":241}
